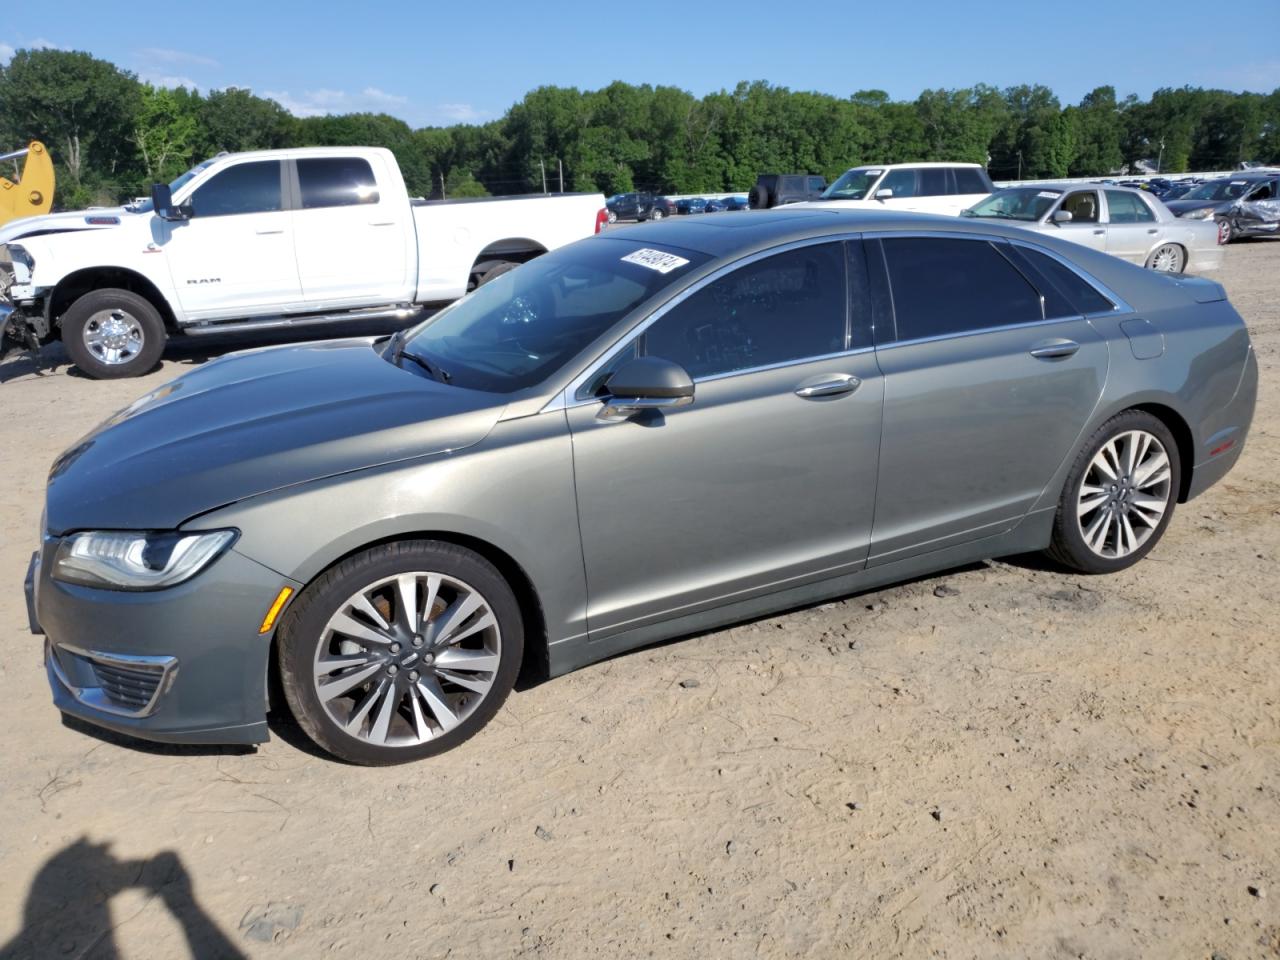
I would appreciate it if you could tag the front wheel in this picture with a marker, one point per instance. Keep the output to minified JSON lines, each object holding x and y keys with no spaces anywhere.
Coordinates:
{"x":1167,"y":258}
{"x":402,"y":651}
{"x":111,"y":334}
{"x":1119,"y":495}
{"x":1226,"y":233}
{"x":656,"y":214}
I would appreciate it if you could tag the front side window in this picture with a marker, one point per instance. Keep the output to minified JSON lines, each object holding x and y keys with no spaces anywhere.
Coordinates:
{"x":244,"y":188}
{"x":1082,"y":205}
{"x":336,"y":182}
{"x":787,"y":307}
{"x":944,"y":286}
{"x":1265,"y":192}
{"x":1127,"y":208}
{"x":901,"y":182}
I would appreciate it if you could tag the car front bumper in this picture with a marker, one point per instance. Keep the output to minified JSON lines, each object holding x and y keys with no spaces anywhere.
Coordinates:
{"x":181,"y":665}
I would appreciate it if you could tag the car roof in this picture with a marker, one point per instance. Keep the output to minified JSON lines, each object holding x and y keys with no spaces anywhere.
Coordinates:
{"x":922,"y":163}
{"x":745,"y":232}
{"x":1064,"y":187}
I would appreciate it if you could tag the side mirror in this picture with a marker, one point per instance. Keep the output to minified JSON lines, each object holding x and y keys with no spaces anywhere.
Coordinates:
{"x":884,"y":194}
{"x":1062,"y":216}
{"x":646,"y":383}
{"x":162,"y":203}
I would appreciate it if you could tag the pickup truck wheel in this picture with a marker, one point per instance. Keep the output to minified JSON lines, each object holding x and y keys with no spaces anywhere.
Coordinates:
{"x":111,"y":334}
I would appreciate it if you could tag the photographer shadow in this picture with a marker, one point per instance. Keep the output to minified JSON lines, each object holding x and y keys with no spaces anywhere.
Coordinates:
{"x":68,"y":908}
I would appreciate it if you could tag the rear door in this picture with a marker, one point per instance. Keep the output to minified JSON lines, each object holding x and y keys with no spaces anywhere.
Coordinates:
{"x":234,"y":256}
{"x":767,"y":480}
{"x":984,"y":397}
{"x":1133,"y":230}
{"x":353,"y":232}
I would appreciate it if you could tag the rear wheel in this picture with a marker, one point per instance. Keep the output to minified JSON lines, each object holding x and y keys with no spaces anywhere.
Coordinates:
{"x":1119,"y":495}
{"x":1167,"y":258}
{"x":400,"y":652}
{"x":112,"y":333}
{"x":657,"y":213}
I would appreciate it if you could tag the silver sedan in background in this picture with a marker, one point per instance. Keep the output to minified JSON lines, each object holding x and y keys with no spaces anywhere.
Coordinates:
{"x":1130,"y":224}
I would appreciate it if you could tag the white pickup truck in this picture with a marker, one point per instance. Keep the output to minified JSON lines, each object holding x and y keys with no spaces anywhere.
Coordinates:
{"x":264,"y":240}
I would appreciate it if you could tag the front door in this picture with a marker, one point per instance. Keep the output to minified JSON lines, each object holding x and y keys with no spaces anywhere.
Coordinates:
{"x":767,"y":480}
{"x":234,"y":256}
{"x":1085,"y":226}
{"x":353,"y":236}
{"x":983,"y":397}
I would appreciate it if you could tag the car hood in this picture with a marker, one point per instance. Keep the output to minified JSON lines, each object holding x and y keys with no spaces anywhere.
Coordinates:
{"x":255,"y":422}
{"x":103,"y":219}
{"x":1180,"y":207}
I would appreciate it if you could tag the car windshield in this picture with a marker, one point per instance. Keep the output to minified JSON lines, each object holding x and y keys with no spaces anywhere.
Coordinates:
{"x":1017,"y":204}
{"x":1218,"y":190}
{"x":852,"y":185}
{"x":521,"y":327}
{"x":144,"y":206}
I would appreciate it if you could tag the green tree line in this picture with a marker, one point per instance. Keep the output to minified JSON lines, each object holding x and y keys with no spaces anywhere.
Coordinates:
{"x":112,"y":135}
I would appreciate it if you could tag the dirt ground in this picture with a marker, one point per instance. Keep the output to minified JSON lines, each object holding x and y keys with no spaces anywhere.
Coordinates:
{"x":1023,"y":764}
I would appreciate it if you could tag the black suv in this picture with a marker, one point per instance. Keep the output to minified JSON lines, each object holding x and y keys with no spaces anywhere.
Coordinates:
{"x":775,"y":189}
{"x":639,"y":206}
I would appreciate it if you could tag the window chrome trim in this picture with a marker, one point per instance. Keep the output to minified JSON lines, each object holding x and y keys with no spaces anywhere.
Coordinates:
{"x":566,"y":398}
{"x":960,"y":334}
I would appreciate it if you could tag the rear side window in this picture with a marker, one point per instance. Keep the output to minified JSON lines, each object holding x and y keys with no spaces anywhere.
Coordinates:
{"x":1081,"y":294}
{"x":817,"y":183}
{"x":942,"y":287}
{"x":244,"y":188}
{"x":787,"y":307}
{"x":1128,"y":208}
{"x":933,"y":181}
{"x":970,"y":180}
{"x":336,"y":182}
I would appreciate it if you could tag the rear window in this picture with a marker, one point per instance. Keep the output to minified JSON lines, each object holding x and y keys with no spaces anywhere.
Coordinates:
{"x":336,"y":182}
{"x":1081,"y":294}
{"x":971,"y":180}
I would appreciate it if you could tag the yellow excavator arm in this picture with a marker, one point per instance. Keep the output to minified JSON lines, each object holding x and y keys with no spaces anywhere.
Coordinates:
{"x":32,"y":195}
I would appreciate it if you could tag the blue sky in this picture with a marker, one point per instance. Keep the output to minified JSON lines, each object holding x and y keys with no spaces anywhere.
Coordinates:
{"x":435,"y":63}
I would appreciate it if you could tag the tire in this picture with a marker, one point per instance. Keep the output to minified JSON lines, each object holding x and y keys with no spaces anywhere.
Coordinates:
{"x":1104,"y":527}
{"x":657,"y":213}
{"x":1167,"y":258}
{"x":1226,"y":231}
{"x":495,"y":271}
{"x":435,"y":704}
{"x":111,"y":334}
{"x":760,"y":197}
{"x":613,"y":217}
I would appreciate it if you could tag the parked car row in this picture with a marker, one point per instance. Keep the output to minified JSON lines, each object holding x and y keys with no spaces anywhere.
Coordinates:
{"x":688,"y":205}
{"x":639,"y":207}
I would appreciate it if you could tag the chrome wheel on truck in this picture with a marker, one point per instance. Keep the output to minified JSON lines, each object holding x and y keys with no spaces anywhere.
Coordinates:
{"x":401,"y":651}
{"x":113,"y":333}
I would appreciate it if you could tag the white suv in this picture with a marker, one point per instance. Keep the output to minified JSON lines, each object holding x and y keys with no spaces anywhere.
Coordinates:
{"x":945,"y":188}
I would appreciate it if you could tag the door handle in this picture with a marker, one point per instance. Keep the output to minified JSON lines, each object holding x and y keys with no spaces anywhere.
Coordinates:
{"x":264,"y":231}
{"x":1099,"y":232}
{"x":1153,"y":230}
{"x":382,"y":223}
{"x":1054,"y":349}
{"x":835,"y":386}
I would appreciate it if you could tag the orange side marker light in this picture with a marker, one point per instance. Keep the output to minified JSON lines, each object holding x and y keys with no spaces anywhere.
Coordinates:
{"x":273,"y":614}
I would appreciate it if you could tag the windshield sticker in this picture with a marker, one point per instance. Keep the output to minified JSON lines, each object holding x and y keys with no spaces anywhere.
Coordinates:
{"x":655,"y":260}
{"x":1238,"y":183}
{"x":1049,"y":194}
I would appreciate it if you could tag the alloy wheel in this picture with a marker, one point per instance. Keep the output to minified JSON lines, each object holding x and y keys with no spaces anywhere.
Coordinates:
{"x":113,"y":336}
{"x":407,"y":658}
{"x":1167,"y":259}
{"x":1125,"y":493}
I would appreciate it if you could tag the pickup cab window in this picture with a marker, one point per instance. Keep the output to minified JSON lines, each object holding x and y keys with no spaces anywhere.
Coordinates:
{"x":243,"y":188}
{"x":336,"y":182}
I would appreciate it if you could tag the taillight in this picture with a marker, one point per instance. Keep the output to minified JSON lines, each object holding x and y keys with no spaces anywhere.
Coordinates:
{"x":602,"y":218}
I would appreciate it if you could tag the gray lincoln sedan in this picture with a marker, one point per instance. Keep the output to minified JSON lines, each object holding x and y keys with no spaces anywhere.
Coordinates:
{"x":646,"y":434}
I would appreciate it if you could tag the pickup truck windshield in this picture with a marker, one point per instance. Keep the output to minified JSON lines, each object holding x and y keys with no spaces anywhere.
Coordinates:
{"x":144,"y":206}
{"x":852,"y":185}
{"x":521,"y":327}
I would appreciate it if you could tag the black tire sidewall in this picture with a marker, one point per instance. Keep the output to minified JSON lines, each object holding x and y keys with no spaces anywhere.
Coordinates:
{"x":148,"y":317}
{"x":1068,"y":545}
{"x":305,"y":620}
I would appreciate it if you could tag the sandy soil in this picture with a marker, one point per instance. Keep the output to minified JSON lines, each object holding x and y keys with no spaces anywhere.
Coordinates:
{"x":1036,"y":765}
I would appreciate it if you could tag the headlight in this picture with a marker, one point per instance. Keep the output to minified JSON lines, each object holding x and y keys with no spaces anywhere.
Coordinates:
{"x":136,"y":561}
{"x":1204,"y":213}
{"x":21,"y":261}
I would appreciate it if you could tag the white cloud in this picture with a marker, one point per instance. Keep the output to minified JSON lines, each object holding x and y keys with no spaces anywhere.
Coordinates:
{"x":6,"y":52}
{"x":460,"y":112}
{"x":165,"y":55}
{"x":167,"y":80}
{"x":317,"y":103}
{"x":40,"y":43}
